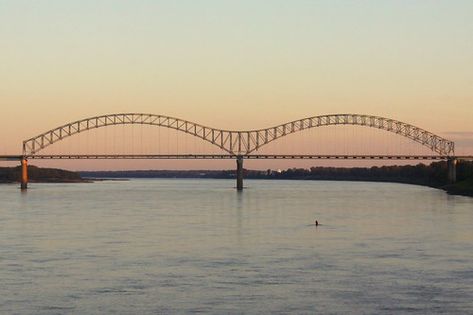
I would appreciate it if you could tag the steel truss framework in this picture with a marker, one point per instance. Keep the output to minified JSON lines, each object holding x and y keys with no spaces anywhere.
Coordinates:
{"x":239,"y":142}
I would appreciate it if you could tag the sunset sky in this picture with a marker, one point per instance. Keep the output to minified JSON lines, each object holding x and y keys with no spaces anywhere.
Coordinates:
{"x":235,"y":64}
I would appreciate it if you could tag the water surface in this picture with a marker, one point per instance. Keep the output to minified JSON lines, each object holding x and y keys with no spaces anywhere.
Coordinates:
{"x":189,"y":246}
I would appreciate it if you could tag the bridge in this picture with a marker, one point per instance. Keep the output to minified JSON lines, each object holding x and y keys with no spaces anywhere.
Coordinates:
{"x":238,"y":144}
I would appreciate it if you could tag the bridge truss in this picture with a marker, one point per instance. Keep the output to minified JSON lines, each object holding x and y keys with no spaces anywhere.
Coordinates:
{"x":242,"y":142}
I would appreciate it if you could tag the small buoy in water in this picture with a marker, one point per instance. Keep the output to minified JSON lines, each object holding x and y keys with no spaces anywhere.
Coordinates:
{"x":316,"y":223}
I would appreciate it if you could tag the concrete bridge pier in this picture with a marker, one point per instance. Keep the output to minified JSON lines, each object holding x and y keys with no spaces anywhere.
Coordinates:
{"x":452,"y":170}
{"x":239,"y":173}
{"x":24,"y":173}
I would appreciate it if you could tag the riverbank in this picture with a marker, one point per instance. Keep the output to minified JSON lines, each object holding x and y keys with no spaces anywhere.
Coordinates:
{"x":10,"y":175}
{"x":463,"y":188}
{"x":433,"y":175}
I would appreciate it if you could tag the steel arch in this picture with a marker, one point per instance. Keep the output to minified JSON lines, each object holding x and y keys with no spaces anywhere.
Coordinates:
{"x":241,"y":142}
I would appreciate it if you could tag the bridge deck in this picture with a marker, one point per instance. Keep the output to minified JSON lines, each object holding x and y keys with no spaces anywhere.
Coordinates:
{"x":229,"y":156}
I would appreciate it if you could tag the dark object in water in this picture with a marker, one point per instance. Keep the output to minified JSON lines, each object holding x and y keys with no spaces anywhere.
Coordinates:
{"x":316,"y":223}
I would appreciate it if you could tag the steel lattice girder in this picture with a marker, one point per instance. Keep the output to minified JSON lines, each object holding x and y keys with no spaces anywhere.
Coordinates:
{"x":237,"y":142}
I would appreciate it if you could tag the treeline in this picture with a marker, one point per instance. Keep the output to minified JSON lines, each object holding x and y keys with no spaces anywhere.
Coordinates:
{"x":36,"y":174}
{"x":434,"y":175}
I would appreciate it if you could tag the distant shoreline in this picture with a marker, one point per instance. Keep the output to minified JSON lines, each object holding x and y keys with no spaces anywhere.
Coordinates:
{"x":433,"y":175}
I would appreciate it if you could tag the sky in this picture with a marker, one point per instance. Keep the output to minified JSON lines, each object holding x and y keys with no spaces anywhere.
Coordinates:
{"x":235,"y":64}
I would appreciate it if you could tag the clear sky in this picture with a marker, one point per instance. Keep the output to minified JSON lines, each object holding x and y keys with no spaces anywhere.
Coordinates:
{"x":235,"y":64}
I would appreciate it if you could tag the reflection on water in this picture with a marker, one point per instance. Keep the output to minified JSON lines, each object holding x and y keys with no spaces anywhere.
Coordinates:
{"x":183,"y":246}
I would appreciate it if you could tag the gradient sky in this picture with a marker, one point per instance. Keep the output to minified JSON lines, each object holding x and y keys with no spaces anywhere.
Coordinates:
{"x":235,"y":64}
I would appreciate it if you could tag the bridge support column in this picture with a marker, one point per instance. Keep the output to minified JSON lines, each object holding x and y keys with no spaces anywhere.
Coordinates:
{"x":24,"y":173}
{"x":239,"y":172}
{"x":452,"y":170}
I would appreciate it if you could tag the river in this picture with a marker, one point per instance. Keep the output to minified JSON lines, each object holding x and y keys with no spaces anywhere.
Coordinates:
{"x":175,"y":246}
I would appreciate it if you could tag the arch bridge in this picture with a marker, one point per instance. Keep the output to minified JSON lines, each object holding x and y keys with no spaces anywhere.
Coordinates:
{"x":238,"y":144}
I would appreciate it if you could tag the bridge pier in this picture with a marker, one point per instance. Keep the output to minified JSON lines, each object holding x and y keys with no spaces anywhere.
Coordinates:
{"x":24,"y":173}
{"x":239,"y":173}
{"x":452,"y":170}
